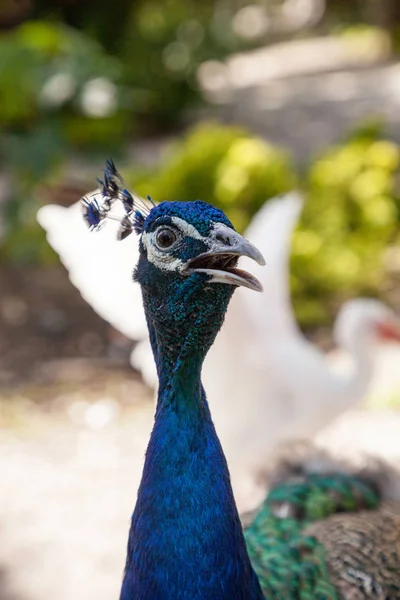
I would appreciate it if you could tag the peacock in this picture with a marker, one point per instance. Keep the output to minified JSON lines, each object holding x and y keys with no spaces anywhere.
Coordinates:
{"x":317,"y":536}
{"x":279,"y":408}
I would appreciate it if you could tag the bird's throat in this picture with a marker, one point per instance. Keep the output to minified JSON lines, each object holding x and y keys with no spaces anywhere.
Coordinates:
{"x":183,"y":324}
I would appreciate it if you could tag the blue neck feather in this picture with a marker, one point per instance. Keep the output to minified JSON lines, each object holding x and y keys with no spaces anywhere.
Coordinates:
{"x":186,"y":540}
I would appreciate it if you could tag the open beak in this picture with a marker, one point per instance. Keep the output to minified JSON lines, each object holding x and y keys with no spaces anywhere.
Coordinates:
{"x":220,"y":262}
{"x":389,"y":331}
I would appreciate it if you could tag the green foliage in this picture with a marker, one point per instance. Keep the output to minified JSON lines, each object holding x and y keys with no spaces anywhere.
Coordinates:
{"x":160,"y":44}
{"x":59,"y":94}
{"x":350,"y":218}
{"x":51,"y":72}
{"x":226,"y":166}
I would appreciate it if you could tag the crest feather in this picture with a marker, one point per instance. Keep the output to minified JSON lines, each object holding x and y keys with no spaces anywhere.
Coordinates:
{"x":97,"y":206}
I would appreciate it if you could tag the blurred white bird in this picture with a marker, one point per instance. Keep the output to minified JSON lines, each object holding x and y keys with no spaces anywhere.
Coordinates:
{"x":280,"y":388}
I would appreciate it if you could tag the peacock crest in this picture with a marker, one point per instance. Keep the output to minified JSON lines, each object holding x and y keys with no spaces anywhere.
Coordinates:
{"x":96,"y":207}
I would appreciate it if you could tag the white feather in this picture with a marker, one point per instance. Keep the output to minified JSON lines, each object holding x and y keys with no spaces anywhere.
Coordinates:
{"x":98,"y":265}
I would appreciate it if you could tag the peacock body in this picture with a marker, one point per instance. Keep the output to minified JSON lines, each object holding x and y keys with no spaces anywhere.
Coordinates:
{"x":309,"y":540}
{"x":326,"y":537}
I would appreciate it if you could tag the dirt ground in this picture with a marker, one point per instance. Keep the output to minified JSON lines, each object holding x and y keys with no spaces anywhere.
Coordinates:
{"x":69,"y":461}
{"x":43,"y":318}
{"x":69,"y":472}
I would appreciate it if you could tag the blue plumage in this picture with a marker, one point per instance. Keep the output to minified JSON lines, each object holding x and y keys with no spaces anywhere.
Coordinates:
{"x":186,"y":540}
{"x":92,"y":213}
{"x":199,"y":214}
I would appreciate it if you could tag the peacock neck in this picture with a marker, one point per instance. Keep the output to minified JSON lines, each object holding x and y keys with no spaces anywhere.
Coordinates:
{"x":179,"y":369}
{"x":186,"y":538}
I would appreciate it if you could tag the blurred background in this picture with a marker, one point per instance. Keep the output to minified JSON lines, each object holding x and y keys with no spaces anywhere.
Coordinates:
{"x":230,"y":101}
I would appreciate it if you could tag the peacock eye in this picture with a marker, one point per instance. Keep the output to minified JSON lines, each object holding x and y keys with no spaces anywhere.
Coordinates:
{"x":165,"y":238}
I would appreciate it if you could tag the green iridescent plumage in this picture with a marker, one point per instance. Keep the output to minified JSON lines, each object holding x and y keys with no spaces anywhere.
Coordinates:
{"x":291,"y":564}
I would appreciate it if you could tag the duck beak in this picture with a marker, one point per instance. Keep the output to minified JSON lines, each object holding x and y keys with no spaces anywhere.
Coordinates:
{"x":389,"y":331}
{"x":220,"y":261}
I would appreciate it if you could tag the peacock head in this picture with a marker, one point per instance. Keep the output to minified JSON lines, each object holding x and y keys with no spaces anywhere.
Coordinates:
{"x":188,"y":260}
{"x":188,"y":255}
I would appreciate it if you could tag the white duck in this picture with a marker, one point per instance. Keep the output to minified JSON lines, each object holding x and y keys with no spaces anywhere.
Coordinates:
{"x":278,"y":387}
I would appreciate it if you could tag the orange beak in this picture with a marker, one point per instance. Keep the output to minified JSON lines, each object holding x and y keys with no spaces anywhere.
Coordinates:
{"x":389,"y":331}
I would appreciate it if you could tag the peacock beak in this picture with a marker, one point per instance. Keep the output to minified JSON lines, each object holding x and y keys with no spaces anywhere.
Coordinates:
{"x":220,"y":261}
